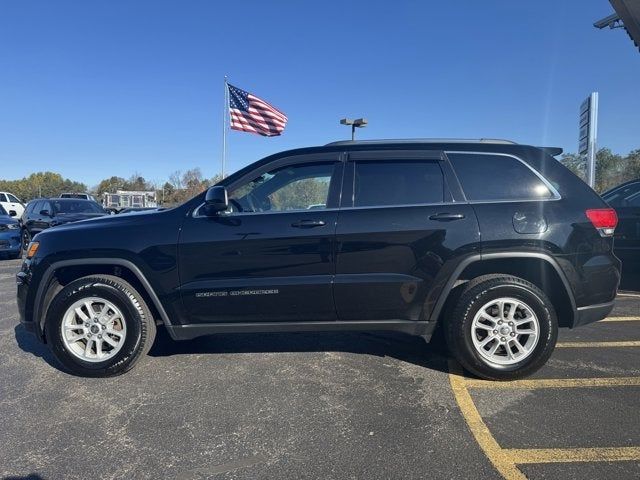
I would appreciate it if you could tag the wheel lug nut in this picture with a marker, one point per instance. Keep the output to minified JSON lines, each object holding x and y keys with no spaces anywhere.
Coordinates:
{"x":495,"y":332}
{"x":99,"y":336}
{"x":502,"y":339}
{"x":511,"y":324}
{"x":513,"y":334}
{"x":104,"y":327}
{"x":499,"y":322}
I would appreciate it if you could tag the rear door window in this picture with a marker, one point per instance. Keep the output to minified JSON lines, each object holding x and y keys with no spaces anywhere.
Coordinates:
{"x":3,"y":197}
{"x":494,"y":177}
{"x":12,"y":198}
{"x":397,"y":182}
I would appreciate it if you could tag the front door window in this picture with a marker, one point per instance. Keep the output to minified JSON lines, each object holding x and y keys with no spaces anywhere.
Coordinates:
{"x":290,"y":188}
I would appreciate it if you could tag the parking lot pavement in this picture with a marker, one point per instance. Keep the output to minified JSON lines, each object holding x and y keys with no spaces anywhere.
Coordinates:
{"x":320,"y":406}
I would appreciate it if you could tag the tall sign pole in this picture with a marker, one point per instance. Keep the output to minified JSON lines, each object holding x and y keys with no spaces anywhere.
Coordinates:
{"x":587,"y":138}
{"x":225,"y":116}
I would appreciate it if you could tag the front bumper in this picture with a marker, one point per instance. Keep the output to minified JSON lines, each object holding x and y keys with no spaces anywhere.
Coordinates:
{"x":23,"y":281}
{"x":10,"y":241}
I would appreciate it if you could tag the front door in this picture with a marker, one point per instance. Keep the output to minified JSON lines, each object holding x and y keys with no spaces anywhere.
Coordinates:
{"x":400,"y":229}
{"x":271,"y":256}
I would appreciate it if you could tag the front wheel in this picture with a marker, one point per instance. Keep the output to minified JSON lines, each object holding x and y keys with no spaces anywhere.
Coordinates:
{"x":26,"y":238}
{"x":99,"y":326}
{"x":502,"y":328}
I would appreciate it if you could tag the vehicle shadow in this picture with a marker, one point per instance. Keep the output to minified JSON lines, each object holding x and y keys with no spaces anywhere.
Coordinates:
{"x":407,"y":348}
{"x":28,"y":343}
{"x":31,"y":476}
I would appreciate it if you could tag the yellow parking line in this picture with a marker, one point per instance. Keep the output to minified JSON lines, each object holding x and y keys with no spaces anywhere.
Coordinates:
{"x":496,"y":455}
{"x":556,"y":383}
{"x":621,"y":319}
{"x":560,"y":455}
{"x":629,"y":343}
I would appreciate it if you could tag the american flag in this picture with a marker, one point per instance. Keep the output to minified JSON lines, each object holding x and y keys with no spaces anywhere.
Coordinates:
{"x":252,"y":114}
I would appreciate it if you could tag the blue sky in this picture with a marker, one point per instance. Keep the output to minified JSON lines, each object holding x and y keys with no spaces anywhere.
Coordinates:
{"x":101,"y":88}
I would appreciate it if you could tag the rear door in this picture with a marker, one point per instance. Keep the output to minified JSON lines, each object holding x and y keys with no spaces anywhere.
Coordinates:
{"x":399,"y":225}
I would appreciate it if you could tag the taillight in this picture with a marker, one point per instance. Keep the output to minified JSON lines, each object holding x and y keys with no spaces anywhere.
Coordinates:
{"x":604,"y":219}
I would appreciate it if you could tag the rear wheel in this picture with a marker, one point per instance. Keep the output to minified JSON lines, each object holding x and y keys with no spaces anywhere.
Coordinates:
{"x":99,"y":326}
{"x":502,"y":327}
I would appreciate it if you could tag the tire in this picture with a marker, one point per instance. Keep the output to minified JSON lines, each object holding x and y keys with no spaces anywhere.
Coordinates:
{"x":126,"y":322}
{"x":26,"y":238}
{"x":477,"y":316}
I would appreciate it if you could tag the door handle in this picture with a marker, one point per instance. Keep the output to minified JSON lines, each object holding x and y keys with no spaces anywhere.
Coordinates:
{"x":446,"y":217}
{"x":308,"y":223}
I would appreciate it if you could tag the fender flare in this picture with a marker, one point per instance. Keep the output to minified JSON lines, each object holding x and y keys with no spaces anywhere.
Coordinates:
{"x":444,"y":294}
{"x":119,"y":262}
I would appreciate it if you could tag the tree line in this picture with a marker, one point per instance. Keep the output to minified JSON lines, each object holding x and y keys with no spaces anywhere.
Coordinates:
{"x":179,"y":187}
{"x":611,"y":169}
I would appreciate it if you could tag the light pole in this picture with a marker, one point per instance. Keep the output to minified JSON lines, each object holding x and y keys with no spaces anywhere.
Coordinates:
{"x":358,"y":123}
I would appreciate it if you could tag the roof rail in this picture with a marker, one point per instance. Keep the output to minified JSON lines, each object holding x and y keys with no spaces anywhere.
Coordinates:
{"x":423,"y":140}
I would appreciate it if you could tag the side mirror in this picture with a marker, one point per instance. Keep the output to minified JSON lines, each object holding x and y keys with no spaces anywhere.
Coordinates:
{"x":13,"y":213}
{"x":45,"y":213}
{"x":216,"y":200}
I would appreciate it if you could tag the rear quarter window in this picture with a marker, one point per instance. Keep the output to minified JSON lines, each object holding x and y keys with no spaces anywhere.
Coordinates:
{"x":494,"y":177}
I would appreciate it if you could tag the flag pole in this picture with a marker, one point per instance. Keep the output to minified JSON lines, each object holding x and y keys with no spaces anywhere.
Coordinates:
{"x":224,"y":124}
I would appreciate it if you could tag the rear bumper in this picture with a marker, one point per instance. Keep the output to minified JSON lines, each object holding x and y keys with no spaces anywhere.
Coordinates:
{"x":592,"y":313}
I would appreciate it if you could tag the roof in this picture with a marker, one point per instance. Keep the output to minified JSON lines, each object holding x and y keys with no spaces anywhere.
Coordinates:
{"x":422,"y":140}
{"x":629,"y":12}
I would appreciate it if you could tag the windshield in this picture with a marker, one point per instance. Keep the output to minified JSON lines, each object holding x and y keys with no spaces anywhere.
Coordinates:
{"x":78,"y":206}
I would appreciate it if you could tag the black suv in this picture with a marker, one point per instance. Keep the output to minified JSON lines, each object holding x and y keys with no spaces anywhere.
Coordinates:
{"x":43,"y":213}
{"x":495,"y":243}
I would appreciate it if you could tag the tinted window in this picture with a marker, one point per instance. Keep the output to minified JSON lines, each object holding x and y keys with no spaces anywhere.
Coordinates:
{"x":627,"y":196}
{"x":38,"y":206}
{"x":30,"y":206}
{"x":397,"y":182}
{"x":294,"y":187}
{"x":3,"y":211}
{"x":3,"y":197}
{"x":497,"y":177}
{"x":12,"y":198}
{"x":76,"y":206}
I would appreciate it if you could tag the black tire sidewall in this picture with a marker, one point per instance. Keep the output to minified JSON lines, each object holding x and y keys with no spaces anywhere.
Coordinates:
{"x":478,"y":297}
{"x":133,"y":317}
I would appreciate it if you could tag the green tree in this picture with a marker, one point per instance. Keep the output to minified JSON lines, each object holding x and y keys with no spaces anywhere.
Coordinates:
{"x":110,"y":185}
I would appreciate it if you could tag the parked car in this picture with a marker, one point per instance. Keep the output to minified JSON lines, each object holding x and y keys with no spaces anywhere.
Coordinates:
{"x":84,"y":196}
{"x":498,"y":244}
{"x":11,"y":203}
{"x":625,"y":199}
{"x":44,"y":213}
{"x":10,"y":241}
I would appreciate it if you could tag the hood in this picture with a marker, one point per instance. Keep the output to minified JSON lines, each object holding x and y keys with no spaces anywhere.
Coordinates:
{"x":6,"y":219}
{"x":97,"y":220}
{"x":61,"y":218}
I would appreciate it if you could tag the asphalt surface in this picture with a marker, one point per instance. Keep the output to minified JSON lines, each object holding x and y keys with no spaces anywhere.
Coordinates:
{"x":329,"y":405}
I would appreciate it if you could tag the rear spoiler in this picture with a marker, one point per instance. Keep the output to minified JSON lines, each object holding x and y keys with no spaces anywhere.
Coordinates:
{"x":553,"y":151}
